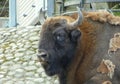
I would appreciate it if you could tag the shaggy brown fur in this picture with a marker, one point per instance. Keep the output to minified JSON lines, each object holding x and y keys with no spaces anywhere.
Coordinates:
{"x":106,"y":67}
{"x":107,"y":82}
{"x":96,"y":35}
{"x":104,"y":16}
{"x":114,"y":44}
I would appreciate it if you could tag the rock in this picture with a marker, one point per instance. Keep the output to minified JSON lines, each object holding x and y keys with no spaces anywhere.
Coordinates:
{"x":19,"y":71}
{"x":15,"y":66}
{"x":20,"y":45}
{"x":19,"y":54}
{"x":16,"y":59}
{"x":29,"y":82}
{"x":24,"y":34}
{"x":20,"y":82}
{"x":19,"y":75}
{"x":13,"y":45}
{"x":9,"y":57}
{"x":30,"y":68}
{"x":34,"y":38}
{"x":37,"y":75}
{"x":40,"y":70}
{"x":39,"y":80}
{"x":7,"y":64}
{"x":27,"y":57}
{"x":31,"y":63}
{"x":9,"y":82}
{"x":25,"y":64}
{"x":11,"y":73}
{"x":30,"y":52}
{"x":1,"y":76}
{"x":43,"y":74}
{"x":1,"y":51}
{"x":29,"y":74}
{"x":21,"y":50}
{"x":35,"y":46}
{"x":35,"y":57}
{"x":13,"y":30}
{"x":56,"y":82}
{"x":1,"y":61}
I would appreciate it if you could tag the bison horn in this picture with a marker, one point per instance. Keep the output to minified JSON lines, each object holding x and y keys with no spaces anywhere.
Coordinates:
{"x":42,"y":16}
{"x":79,"y":20}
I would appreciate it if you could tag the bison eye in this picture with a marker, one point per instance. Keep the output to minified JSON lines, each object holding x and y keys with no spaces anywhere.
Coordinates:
{"x":60,"y":37}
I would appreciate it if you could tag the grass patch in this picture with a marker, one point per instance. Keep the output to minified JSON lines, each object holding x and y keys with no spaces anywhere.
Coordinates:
{"x":117,"y":13}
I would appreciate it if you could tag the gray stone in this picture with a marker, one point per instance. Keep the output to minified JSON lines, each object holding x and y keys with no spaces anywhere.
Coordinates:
{"x":20,"y":45}
{"x":13,"y":30}
{"x":35,"y":43}
{"x":37,"y":75}
{"x":27,"y":57}
{"x":40,"y":70}
{"x":27,"y":46}
{"x":2,"y":72}
{"x":7,"y":33}
{"x":56,"y":82}
{"x":40,"y":80}
{"x":13,"y":45}
{"x":34,"y":38}
{"x":11,"y":73}
{"x":29,"y":74}
{"x":15,"y":66}
{"x":30,"y":52}
{"x":1,"y":61}
{"x":1,"y":76}
{"x":2,"y":55}
{"x":38,"y":64}
{"x":21,"y":50}
{"x":31,"y":62}
{"x":29,"y":82}
{"x":19,"y":54}
{"x":16,"y":59}
{"x":35,"y":46}
{"x":30,"y":68}
{"x":25,"y":64}
{"x":43,"y":74}
{"x":19,"y":71}
{"x":18,"y":75}
{"x":8,"y":63}
{"x":1,"y":51}
{"x":24,"y":34}
{"x":35,"y":57}
{"x":20,"y":82}
{"x":9,"y":57}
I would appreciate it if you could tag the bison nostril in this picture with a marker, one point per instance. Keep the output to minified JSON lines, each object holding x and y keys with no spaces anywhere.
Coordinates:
{"x":42,"y":54}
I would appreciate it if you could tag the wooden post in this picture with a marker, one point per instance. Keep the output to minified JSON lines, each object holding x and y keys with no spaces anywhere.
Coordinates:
{"x":50,"y":7}
{"x":12,"y":13}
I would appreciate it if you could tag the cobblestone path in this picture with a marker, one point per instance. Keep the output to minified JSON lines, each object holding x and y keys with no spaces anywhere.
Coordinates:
{"x":18,"y":60}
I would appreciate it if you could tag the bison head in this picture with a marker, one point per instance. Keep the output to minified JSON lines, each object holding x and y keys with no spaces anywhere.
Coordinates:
{"x":57,"y":44}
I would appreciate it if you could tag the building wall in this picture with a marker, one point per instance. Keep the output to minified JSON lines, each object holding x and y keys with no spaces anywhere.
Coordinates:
{"x":28,"y":11}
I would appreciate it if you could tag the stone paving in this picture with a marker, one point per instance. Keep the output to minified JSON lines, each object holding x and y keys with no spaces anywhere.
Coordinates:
{"x":18,"y":60}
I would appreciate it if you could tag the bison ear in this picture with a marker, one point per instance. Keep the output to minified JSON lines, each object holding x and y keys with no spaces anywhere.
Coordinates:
{"x":75,"y":34}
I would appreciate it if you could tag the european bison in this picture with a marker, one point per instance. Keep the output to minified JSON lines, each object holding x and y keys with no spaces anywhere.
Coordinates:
{"x":82,"y":48}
